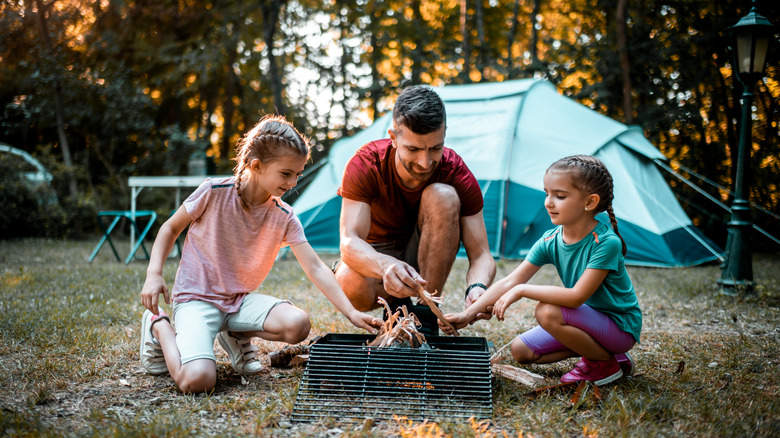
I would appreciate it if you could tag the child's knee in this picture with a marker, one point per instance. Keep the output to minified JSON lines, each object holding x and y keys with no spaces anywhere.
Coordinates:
{"x":547,"y":314}
{"x":197,"y":377}
{"x":520,"y":352}
{"x":297,"y":326}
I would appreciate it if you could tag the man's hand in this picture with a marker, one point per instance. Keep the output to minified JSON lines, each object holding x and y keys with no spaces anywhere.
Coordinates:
{"x":471,"y":298}
{"x":400,"y":280}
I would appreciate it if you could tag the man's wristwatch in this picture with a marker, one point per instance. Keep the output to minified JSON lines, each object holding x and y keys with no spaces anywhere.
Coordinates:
{"x":472,"y":286}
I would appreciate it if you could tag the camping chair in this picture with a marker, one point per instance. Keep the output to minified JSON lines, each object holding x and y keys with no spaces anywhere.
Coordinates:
{"x":117,"y":215}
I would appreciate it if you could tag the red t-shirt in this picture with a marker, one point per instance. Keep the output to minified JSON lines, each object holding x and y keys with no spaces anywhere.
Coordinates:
{"x":370,"y":177}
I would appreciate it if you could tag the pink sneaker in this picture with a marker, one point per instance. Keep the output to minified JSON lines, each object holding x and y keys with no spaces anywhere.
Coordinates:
{"x":600,"y":372}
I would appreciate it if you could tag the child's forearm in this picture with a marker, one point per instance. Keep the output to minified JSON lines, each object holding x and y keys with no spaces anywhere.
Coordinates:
{"x":326,"y":282}
{"x":163,"y":244}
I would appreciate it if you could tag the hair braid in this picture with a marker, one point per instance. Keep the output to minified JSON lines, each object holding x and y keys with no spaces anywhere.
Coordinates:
{"x":590,"y":175}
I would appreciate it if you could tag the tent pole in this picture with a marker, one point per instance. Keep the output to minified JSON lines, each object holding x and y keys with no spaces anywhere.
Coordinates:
{"x":663,"y":165}
{"x":725,"y":189}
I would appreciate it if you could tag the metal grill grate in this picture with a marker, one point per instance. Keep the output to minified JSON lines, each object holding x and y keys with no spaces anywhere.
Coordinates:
{"x":346,"y":380}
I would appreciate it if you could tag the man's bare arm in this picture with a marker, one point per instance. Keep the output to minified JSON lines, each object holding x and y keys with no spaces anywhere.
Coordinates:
{"x":355,"y":251}
{"x":399,"y":279}
{"x":482,"y":267}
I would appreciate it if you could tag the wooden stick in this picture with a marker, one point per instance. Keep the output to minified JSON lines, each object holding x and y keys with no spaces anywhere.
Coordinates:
{"x":424,"y":295}
{"x":518,"y":375}
{"x":495,"y":358}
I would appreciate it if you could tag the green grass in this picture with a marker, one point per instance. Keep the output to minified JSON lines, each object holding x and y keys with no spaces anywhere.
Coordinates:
{"x":708,"y":364}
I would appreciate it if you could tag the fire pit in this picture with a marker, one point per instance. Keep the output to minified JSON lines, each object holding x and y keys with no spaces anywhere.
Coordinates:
{"x":349,"y":381}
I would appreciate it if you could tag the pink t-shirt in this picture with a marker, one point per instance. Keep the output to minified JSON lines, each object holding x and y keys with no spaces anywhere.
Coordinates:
{"x":230,"y":249}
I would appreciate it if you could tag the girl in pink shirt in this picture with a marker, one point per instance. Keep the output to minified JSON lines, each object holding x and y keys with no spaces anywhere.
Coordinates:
{"x":236,"y":227}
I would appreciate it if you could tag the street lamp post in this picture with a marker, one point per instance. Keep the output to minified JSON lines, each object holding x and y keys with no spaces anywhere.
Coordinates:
{"x":752,"y":35}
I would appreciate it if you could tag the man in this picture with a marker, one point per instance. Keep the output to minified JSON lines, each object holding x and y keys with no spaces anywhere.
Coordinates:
{"x":408,"y":202}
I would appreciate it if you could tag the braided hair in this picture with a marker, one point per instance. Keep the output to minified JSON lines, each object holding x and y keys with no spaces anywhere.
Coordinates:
{"x":590,"y":175}
{"x":270,"y":139}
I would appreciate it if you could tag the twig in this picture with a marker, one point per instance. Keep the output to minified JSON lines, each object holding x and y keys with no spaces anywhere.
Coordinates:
{"x":494,"y":357}
{"x":429,"y":301}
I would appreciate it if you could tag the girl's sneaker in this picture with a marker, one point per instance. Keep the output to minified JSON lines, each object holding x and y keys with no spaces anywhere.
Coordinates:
{"x":600,"y":372}
{"x":243,"y":355}
{"x":626,"y":363}
{"x":151,"y":352}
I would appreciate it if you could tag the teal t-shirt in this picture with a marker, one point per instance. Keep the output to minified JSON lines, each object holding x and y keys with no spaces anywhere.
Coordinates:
{"x":601,"y":249}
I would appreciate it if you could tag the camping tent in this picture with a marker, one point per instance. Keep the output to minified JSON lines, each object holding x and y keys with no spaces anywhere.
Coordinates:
{"x":508,"y":133}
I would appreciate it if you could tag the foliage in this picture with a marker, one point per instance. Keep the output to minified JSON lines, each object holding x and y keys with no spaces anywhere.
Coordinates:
{"x":29,"y":208}
{"x":144,"y":85}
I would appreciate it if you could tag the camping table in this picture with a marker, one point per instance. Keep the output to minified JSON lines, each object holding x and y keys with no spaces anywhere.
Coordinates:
{"x":138,"y":183}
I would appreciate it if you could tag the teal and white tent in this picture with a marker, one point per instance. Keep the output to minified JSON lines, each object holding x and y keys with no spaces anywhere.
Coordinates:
{"x":509,"y":133}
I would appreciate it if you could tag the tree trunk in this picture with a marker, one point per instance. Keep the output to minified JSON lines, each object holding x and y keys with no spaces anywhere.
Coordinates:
{"x":232,"y":85}
{"x":375,"y":92}
{"x":464,"y":31}
{"x":534,"y":35}
{"x":58,"y":109}
{"x":510,"y":65}
{"x":343,"y":72}
{"x":418,"y":53}
{"x":481,"y":58}
{"x":271,"y":10}
{"x":625,"y":64}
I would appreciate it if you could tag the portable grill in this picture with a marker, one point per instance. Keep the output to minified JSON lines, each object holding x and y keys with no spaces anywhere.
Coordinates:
{"x":349,"y":381}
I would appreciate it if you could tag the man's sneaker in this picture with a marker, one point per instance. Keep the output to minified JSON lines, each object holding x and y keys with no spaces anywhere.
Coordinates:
{"x":151,"y":352}
{"x":243,"y":355}
{"x":600,"y":372}
{"x":428,"y":320}
{"x":626,"y":363}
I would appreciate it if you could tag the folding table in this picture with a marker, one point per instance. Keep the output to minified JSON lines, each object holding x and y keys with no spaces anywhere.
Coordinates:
{"x":117,"y":215}
{"x":138,"y":183}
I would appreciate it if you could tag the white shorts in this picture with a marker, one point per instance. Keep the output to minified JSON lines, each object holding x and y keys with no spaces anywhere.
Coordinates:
{"x":198,"y":322}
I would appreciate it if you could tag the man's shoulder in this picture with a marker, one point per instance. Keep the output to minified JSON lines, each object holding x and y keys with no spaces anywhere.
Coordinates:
{"x":451,"y":157}
{"x":377,"y":148}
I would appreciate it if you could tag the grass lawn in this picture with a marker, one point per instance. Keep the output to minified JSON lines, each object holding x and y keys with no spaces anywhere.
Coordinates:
{"x":708,"y":364}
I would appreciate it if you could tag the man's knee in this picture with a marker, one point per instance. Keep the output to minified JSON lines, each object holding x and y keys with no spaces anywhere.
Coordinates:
{"x":356,"y":288}
{"x":440,"y":196}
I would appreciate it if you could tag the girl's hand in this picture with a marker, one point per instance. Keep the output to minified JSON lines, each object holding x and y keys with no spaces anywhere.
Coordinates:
{"x":365,"y":321}
{"x":504,"y":302}
{"x":153,"y":287}
{"x":458,"y":321}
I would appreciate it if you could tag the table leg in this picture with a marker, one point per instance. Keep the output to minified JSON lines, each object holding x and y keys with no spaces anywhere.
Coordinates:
{"x":133,"y":194}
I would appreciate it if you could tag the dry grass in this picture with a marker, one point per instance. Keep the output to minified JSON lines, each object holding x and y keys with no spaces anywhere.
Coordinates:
{"x":708,"y":364}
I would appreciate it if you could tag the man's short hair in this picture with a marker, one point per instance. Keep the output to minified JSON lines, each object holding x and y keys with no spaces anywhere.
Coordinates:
{"x":420,"y":109}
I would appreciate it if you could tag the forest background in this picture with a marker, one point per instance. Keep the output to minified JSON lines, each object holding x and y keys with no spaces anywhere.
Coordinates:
{"x":105,"y":89}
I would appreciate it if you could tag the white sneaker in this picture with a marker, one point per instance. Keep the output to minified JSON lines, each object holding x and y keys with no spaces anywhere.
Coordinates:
{"x":151,"y":352}
{"x":243,"y":355}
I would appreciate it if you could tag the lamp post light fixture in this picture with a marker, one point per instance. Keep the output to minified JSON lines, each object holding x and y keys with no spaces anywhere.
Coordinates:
{"x":752,"y":35}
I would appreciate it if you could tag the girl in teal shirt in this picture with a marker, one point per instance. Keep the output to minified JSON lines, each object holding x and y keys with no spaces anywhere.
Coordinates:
{"x":595,"y":315}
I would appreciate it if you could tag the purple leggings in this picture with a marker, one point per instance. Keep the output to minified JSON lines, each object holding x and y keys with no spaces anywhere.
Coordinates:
{"x":598,"y":325}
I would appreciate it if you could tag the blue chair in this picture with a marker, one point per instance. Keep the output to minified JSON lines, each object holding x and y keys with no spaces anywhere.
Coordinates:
{"x":117,"y":215}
